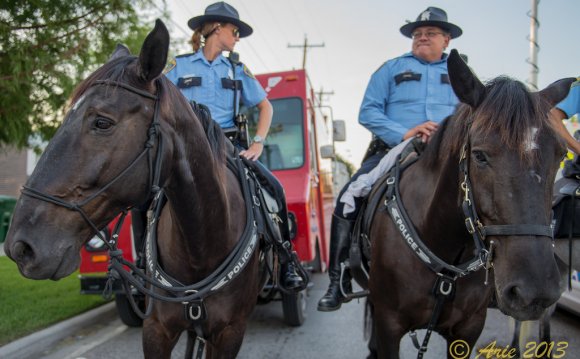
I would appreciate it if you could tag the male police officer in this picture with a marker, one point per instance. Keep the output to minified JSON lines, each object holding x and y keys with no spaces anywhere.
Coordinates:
{"x":407,"y":96}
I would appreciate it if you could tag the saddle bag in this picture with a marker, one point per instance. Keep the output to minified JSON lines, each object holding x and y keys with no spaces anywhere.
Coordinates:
{"x":566,"y":208}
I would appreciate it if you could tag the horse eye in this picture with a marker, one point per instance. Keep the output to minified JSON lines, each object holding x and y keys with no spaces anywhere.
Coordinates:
{"x":102,"y":123}
{"x":480,"y":157}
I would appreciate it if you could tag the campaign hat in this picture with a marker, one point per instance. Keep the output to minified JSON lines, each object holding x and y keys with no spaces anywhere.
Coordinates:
{"x":432,"y":16}
{"x":221,"y":12}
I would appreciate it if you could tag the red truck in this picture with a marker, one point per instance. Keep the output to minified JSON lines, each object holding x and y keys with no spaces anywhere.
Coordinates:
{"x":299,"y":151}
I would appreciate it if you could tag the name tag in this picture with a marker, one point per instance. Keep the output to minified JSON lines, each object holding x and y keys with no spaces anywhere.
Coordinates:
{"x":407,"y":76}
{"x":231,"y":84}
{"x":445,"y":79}
{"x":186,"y":82}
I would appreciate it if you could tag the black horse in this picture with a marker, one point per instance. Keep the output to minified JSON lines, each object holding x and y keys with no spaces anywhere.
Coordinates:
{"x":486,"y":176}
{"x":123,"y":114}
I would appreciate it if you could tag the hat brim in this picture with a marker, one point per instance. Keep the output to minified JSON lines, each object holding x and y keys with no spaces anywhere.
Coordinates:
{"x":454,"y":30}
{"x":196,"y":22}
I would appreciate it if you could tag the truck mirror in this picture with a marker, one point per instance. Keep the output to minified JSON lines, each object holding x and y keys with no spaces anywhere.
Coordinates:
{"x":338,"y":130}
{"x":327,"y":151}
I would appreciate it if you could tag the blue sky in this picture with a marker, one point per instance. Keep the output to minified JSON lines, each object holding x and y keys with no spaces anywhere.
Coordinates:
{"x":360,"y":35}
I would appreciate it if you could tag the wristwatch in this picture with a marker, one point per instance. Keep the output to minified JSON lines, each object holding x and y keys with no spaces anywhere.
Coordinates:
{"x":258,"y":139}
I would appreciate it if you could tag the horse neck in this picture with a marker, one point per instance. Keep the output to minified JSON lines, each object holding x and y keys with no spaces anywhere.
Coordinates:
{"x":200,"y":213}
{"x":437,"y":215}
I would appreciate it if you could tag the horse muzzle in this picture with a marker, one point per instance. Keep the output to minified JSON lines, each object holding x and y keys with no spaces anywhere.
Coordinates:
{"x":33,"y":264}
{"x":527,"y":283}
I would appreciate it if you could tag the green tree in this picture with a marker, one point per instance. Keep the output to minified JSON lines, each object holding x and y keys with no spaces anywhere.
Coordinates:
{"x":48,"y":46}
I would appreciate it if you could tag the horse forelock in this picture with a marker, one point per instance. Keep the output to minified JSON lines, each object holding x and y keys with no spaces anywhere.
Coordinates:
{"x":112,"y":70}
{"x":514,"y":114}
{"x":171,"y":99}
{"x":509,"y":111}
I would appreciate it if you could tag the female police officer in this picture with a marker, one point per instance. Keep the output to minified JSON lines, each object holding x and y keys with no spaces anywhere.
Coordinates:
{"x":211,"y":79}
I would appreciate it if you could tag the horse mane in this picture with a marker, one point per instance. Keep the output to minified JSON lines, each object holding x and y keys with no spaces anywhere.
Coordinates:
{"x":508,"y":110}
{"x":171,"y":99}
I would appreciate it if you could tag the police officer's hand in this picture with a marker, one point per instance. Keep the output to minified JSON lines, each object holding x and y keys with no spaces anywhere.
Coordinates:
{"x":424,"y":130}
{"x":254,"y":152}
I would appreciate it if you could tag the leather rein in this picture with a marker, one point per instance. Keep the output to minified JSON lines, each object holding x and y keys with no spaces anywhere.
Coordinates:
{"x":447,"y":273}
{"x":478,"y":231}
{"x":189,"y":295}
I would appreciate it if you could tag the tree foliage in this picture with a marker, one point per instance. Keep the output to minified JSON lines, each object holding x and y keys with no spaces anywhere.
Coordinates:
{"x":47,"y":47}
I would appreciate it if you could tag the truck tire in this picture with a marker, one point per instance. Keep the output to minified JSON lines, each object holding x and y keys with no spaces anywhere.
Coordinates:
{"x":294,"y":308}
{"x":126,"y":312}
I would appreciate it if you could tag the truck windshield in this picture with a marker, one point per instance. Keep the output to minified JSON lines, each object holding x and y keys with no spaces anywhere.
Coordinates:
{"x":284,"y":146}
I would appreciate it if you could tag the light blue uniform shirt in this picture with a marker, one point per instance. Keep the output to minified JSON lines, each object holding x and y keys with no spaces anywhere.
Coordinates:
{"x":571,"y":104}
{"x":403,"y":93}
{"x":204,"y":85}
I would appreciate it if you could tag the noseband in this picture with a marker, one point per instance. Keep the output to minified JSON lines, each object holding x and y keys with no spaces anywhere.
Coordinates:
{"x":154,"y":135}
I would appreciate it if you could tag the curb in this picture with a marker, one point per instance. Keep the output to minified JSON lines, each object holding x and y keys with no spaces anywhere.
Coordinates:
{"x":35,"y":344}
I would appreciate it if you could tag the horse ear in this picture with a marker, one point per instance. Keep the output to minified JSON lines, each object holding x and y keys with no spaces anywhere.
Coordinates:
{"x":153,"y":56}
{"x":120,"y":51}
{"x":557,"y":91}
{"x":466,"y":85}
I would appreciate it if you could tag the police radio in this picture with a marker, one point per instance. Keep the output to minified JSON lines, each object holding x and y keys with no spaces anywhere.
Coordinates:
{"x":240,"y":119}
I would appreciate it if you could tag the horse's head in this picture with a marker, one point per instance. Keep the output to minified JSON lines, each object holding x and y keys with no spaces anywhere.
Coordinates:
{"x":82,"y":172}
{"x":512,"y":155}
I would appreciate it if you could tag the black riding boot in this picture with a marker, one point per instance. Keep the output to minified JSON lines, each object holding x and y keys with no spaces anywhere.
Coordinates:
{"x":340,"y":233}
{"x":291,"y":280}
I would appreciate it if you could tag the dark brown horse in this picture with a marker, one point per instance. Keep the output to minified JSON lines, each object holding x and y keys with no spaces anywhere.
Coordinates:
{"x":97,"y":164}
{"x":502,"y":185}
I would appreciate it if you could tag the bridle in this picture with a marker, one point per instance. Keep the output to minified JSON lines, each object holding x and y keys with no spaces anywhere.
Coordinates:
{"x":154,"y":135}
{"x":447,"y":273}
{"x":475,"y":227}
{"x":191,"y":296}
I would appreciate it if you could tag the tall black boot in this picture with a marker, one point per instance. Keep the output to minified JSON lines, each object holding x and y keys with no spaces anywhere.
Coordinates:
{"x":340,"y":233}
{"x":290,"y":278}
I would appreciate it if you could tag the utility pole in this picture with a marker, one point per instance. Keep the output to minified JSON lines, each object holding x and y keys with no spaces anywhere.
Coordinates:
{"x":534,"y":45}
{"x":322,"y":93}
{"x":305,"y":48}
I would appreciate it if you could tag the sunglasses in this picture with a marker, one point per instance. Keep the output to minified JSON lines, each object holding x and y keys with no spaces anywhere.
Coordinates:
{"x":235,"y":31}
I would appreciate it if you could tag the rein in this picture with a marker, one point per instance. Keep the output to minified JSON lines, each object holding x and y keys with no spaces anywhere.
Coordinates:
{"x":448,"y":273}
{"x":191,"y":296}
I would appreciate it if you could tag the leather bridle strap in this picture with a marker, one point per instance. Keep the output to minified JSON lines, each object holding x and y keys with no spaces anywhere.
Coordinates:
{"x":474,"y":225}
{"x":154,"y":173}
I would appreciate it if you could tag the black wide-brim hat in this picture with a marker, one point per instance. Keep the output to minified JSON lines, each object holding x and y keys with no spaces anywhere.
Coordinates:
{"x":433,"y":16}
{"x":221,"y":12}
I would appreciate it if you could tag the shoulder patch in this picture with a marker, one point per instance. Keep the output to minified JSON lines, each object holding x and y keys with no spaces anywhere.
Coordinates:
{"x":248,"y":72}
{"x":170,"y":65}
{"x":576,"y":83}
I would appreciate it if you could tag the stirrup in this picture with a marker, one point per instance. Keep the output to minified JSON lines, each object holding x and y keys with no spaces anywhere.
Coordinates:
{"x":349,"y":296}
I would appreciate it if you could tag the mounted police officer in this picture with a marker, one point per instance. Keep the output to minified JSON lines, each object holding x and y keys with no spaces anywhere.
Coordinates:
{"x":406,"y":97}
{"x":207,"y":77}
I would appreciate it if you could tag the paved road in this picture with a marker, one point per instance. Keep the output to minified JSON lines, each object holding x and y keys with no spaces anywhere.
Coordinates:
{"x":323,"y":335}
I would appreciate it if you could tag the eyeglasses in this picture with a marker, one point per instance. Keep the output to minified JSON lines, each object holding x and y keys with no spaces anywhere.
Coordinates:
{"x":429,"y":34}
{"x":236,"y":32}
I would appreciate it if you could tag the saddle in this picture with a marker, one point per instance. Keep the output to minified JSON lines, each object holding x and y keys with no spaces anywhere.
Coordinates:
{"x":360,"y":250}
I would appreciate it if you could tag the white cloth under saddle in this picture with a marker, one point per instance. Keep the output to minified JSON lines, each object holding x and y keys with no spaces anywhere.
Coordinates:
{"x":364,"y":183}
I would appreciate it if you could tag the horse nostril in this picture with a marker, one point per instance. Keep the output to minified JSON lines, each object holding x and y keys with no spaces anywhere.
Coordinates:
{"x":513,"y":293}
{"x":21,"y":252}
